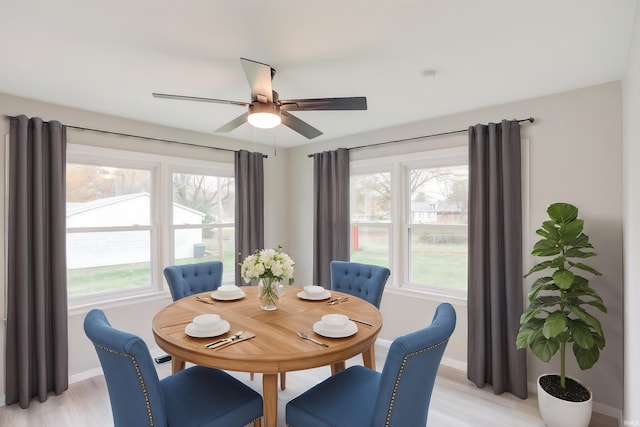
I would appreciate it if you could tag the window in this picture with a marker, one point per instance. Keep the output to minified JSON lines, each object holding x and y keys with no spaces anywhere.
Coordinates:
{"x":370,"y":195}
{"x":437,"y":226}
{"x":410,"y":213}
{"x":109,"y":231}
{"x":203,"y":220}
{"x":130,"y":214}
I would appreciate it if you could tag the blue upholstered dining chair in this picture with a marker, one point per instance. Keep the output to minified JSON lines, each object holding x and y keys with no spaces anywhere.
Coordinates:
{"x":397,"y":397}
{"x":189,"y":279}
{"x":364,"y":281}
{"x":196,"y":396}
{"x":361,"y":280}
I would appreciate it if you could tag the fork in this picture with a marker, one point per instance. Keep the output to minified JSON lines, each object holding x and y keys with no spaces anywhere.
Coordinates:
{"x":307,"y":337}
{"x":338,"y":300}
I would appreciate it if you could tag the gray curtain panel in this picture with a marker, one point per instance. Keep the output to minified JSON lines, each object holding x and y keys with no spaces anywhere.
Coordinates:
{"x":249,"y":210}
{"x":37,"y":340}
{"x":330,"y":212}
{"x":495,"y":286}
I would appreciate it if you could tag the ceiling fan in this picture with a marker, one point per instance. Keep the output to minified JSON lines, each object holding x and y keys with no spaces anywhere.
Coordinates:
{"x":266,"y":110}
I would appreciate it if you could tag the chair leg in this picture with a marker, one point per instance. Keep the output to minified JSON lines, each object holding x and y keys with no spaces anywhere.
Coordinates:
{"x":257,"y":422}
{"x":251,"y":376}
{"x":283,"y":380}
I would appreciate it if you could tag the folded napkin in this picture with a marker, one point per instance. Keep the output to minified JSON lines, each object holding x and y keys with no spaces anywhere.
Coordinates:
{"x":230,"y":340}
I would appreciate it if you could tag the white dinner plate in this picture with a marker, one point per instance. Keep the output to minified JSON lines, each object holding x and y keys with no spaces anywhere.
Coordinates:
{"x":320,"y":296}
{"x":192,"y":331}
{"x":320,"y":329}
{"x":226,"y":296}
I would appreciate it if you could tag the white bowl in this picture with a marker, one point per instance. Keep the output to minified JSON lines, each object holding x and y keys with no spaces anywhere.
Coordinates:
{"x":314,"y":291}
{"x":335,"y":322}
{"x":206,"y":322}
{"x":228,"y":289}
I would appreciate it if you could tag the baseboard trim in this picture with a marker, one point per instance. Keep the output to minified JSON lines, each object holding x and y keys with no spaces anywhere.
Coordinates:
{"x":85,"y":375}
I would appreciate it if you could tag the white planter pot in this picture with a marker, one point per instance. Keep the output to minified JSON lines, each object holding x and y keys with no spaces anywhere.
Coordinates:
{"x":562,"y":413}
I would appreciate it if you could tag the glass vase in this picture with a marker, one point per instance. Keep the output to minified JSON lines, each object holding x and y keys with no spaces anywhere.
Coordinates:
{"x":269,"y":294}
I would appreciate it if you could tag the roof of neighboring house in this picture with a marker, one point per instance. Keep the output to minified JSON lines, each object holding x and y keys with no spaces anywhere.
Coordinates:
{"x":74,"y":208}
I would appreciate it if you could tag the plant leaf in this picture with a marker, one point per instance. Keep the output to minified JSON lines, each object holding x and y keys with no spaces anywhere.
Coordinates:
{"x":586,"y":357}
{"x":563,"y":278}
{"x":581,"y":241}
{"x":538,"y":267}
{"x":581,"y":335}
{"x":578,"y":253}
{"x":585,"y":267}
{"x":569,"y":231}
{"x":544,"y":348}
{"x":529,"y":314}
{"x":549,"y":231}
{"x":562,"y":212}
{"x":526,"y":335}
{"x":599,"y":339}
{"x":542,"y":284}
{"x":598,"y":304}
{"x":587,"y":318}
{"x":555,"y":323}
{"x":545,"y":248}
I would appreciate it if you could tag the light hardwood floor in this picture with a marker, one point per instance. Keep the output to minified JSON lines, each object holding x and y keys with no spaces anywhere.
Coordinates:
{"x":455,"y":403}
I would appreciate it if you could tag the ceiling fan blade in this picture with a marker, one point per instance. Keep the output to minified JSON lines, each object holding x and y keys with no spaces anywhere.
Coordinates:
{"x":350,"y":103}
{"x":234,"y":123}
{"x":259,"y":76}
{"x":195,"y":98}
{"x":303,"y":128}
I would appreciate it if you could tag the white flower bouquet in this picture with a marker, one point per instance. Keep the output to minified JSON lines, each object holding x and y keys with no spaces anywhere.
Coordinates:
{"x":269,"y":267}
{"x":268,"y":264}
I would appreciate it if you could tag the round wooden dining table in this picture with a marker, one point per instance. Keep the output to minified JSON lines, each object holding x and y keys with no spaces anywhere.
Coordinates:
{"x":276,"y":346}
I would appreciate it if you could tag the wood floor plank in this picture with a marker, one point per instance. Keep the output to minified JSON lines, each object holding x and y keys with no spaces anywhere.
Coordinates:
{"x":456,"y":402}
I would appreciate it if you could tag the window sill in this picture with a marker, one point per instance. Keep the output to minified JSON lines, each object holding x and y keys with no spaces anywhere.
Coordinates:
{"x":120,"y":301}
{"x":426,"y":295}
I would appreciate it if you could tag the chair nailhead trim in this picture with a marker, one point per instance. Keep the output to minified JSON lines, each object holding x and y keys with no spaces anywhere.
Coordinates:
{"x":142,"y":384}
{"x":395,"y":385}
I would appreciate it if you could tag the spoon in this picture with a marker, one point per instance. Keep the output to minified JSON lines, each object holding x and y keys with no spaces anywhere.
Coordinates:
{"x":307,"y":337}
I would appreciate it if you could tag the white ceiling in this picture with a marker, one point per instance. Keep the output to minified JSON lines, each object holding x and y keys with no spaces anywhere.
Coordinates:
{"x":109,"y":56}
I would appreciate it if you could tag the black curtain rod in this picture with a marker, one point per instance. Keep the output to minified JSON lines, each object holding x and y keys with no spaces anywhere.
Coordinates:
{"x":530,"y":120}
{"x":149,"y":138}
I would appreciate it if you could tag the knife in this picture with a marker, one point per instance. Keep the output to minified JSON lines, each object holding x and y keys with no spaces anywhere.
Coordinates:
{"x":361,"y":321}
{"x":232,"y":340}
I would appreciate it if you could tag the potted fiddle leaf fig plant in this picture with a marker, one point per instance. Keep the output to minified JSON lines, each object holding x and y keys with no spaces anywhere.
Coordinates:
{"x":559,"y":318}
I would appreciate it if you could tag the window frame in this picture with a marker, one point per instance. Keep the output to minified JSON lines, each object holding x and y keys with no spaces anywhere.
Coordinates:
{"x":161,"y":191}
{"x":195,"y":167}
{"x":399,"y":166}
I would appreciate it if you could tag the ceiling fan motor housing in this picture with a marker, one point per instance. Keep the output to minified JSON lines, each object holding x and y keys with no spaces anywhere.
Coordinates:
{"x":260,"y":107}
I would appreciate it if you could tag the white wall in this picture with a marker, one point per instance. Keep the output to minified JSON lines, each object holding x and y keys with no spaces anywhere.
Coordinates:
{"x":575,"y":156}
{"x":631,"y":155}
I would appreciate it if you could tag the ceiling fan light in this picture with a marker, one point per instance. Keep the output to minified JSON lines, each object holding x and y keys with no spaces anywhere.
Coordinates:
{"x":264,"y":120}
